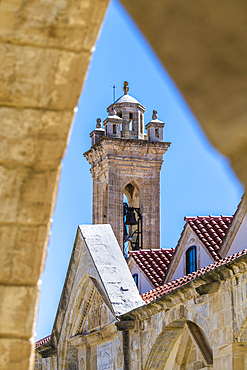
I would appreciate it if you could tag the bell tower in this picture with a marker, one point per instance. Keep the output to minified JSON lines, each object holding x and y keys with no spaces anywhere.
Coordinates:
{"x":125,"y":166}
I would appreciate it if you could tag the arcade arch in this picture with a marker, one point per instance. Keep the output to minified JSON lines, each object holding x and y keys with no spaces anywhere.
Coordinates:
{"x":180,"y":345}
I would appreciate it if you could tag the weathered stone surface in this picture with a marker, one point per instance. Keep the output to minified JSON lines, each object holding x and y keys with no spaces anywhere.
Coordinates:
{"x":57,"y":85}
{"x":26,"y":195}
{"x":32,"y":137}
{"x":17,"y":307}
{"x":117,"y":162}
{"x":15,"y":354}
{"x":66,"y":24}
{"x":112,"y":267}
{"x":21,"y":262}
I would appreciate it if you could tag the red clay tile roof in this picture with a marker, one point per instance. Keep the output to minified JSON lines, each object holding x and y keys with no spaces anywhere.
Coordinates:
{"x":211,"y":230}
{"x":154,"y":263}
{"x":42,"y":341}
{"x":172,"y":285}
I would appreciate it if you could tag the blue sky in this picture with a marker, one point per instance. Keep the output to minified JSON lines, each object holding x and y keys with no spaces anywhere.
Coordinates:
{"x":195,"y":178}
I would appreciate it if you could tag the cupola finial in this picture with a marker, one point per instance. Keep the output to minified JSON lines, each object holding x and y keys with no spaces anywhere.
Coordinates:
{"x":155,"y":115}
{"x":126,"y":87}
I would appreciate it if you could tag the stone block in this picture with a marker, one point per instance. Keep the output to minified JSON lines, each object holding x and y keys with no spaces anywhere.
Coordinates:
{"x":40,"y":77}
{"x":22,"y":253}
{"x":33,"y":137}
{"x":66,"y":24}
{"x":18,"y":307}
{"x":15,"y":354}
{"x":26,"y":195}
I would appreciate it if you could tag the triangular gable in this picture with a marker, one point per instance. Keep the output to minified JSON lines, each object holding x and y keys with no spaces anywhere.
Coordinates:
{"x":85,"y":317}
{"x":97,"y":268}
{"x":236,"y":236}
{"x":98,"y":316}
{"x":177,"y":267}
{"x":211,"y":230}
{"x":112,"y":268}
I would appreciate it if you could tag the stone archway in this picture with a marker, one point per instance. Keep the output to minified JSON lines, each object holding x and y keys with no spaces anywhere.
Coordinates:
{"x":180,"y":344}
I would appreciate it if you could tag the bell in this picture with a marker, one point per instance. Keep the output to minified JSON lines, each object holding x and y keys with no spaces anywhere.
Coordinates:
{"x":130,"y":217}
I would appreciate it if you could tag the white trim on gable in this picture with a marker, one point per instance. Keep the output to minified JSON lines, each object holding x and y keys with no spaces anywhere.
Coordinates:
{"x":239,"y":240}
{"x":236,"y":238}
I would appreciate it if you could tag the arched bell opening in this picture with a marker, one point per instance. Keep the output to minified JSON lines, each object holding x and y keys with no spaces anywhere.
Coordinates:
{"x":132,"y":219}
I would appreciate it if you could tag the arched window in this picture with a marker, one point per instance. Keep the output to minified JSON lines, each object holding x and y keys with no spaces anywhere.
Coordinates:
{"x":191,"y":263}
{"x":135,"y":277}
{"x":141,"y":123}
{"x":131,"y":121}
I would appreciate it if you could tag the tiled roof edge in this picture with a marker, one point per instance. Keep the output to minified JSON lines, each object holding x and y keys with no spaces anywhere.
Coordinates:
{"x":223,"y":269}
{"x":42,"y":341}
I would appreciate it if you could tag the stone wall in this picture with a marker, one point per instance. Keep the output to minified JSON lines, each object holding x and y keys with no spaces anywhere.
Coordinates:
{"x":201,"y":325}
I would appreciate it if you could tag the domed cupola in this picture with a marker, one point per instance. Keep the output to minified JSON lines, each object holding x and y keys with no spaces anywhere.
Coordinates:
{"x":132,"y":114}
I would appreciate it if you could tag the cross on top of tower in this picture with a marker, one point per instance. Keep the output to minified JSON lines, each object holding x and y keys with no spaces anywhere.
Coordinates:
{"x":126,"y":87}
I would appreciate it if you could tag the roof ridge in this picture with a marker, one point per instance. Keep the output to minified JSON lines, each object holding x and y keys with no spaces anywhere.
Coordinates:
{"x":211,"y":231}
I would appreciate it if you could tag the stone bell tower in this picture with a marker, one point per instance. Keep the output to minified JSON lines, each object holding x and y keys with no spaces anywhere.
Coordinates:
{"x":126,"y":160}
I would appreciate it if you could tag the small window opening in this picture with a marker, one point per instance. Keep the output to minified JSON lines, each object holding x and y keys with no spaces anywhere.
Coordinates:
{"x":135,"y":277}
{"x":156,"y":132}
{"x":114,"y":129}
{"x":131,"y":118}
{"x":141,"y":123}
{"x":106,"y":130}
{"x":191,"y":265}
{"x":119,"y":114}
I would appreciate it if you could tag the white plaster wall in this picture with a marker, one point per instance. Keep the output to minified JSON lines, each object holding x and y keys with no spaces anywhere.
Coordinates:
{"x":143,"y":284}
{"x":203,"y":258}
{"x":240,"y":241}
{"x":179,"y":272}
